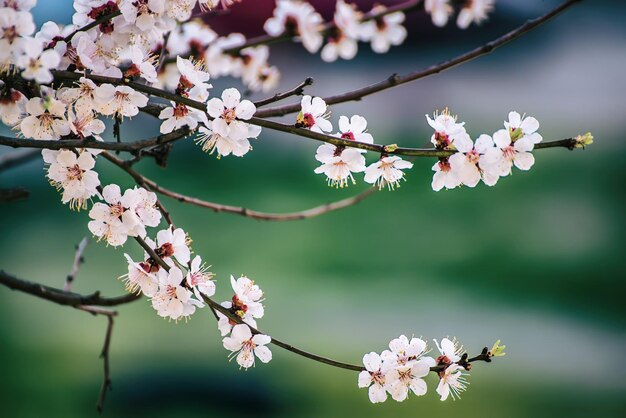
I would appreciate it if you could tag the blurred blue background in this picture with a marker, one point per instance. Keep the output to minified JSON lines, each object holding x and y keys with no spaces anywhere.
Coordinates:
{"x":536,"y":261}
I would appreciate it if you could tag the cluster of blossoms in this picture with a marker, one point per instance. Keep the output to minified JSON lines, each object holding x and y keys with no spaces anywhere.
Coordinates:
{"x":486,"y":159}
{"x":401,"y":369}
{"x":180,"y":289}
{"x":381,"y":28}
{"x":472,"y":11}
{"x":338,"y":162}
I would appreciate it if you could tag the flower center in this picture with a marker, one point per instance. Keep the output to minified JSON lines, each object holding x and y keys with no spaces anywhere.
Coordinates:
{"x":348,"y":135}
{"x":133,"y":71}
{"x":444,"y":165}
{"x":116,"y":210}
{"x":239,"y":308}
{"x":170,"y":291}
{"x":165,"y":250}
{"x":180,"y":111}
{"x":10,"y":33}
{"x":442,"y":140}
{"x":75,"y":172}
{"x":472,"y":157}
{"x":509,"y":152}
{"x":229,"y":115}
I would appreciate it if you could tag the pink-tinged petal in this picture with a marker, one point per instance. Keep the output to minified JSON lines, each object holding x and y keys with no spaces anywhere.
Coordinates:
{"x":501,"y":138}
{"x":364,"y":379}
{"x":324,"y":124}
{"x":260,"y":339}
{"x":231,"y":98}
{"x":241,"y":332}
{"x":377,"y":394}
{"x":418,"y":387}
{"x":232,"y":344}
{"x":515,"y":119}
{"x":524,"y":144}
{"x":318,"y":106}
{"x":372,"y":361}
{"x":529,"y":125}
{"x":112,"y":193}
{"x":443,"y":389}
{"x":263,"y":353}
{"x":245,"y":110}
{"x":344,"y":124}
{"x":524,"y":160}
{"x":245,"y":358}
{"x":215,"y":107}
{"x":483,"y":143}
{"x":358,"y":124}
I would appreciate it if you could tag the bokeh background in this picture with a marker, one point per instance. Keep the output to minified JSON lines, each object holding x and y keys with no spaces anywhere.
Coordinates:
{"x":536,"y":261}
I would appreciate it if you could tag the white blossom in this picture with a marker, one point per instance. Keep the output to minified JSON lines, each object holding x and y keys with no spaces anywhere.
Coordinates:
{"x":403,"y":379}
{"x":141,"y":277}
{"x":354,"y":129}
{"x":374,"y":377}
{"x":72,"y":173}
{"x":38,"y":62}
{"x":199,"y":279}
{"x":229,"y":112}
{"x":114,"y":221}
{"x":314,"y":115}
{"x":450,"y":349}
{"x":246,"y":346}
{"x":338,"y":164}
{"x":12,"y":105}
{"x":404,"y":352}
{"x":387,"y":172}
{"x":452,"y":382}
{"x":297,"y":17}
{"x":385,"y":31}
{"x":448,"y":132}
{"x":211,"y":141}
{"x":440,"y":11}
{"x":141,"y":63}
{"x":173,"y":243}
{"x":172,"y":300}
{"x":177,"y":116}
{"x":119,"y":100}
{"x":45,"y":120}
{"x":474,"y":11}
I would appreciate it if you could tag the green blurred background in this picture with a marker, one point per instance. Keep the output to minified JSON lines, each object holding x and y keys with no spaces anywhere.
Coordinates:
{"x":535,"y":261}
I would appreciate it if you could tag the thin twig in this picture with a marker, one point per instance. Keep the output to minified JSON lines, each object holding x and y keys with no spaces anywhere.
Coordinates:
{"x":92,"y":25}
{"x":217,"y":207}
{"x":11,"y":195}
{"x":326,"y":29}
{"x":296,"y":91}
{"x":396,"y":80}
{"x":78,"y":260}
{"x":62,"y":297}
{"x":104,"y":355}
{"x":134,"y":146}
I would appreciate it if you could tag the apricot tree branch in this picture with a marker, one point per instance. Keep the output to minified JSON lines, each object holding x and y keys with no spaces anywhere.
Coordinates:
{"x":217,"y":207}
{"x":396,"y":80}
{"x":106,"y":381}
{"x":78,"y":260}
{"x":327,"y":28}
{"x":62,"y":297}
{"x":296,"y":91}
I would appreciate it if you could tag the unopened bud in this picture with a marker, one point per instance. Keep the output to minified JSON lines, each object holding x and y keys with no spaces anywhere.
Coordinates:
{"x":390,"y":148}
{"x":497,"y":350}
{"x":583,"y":140}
